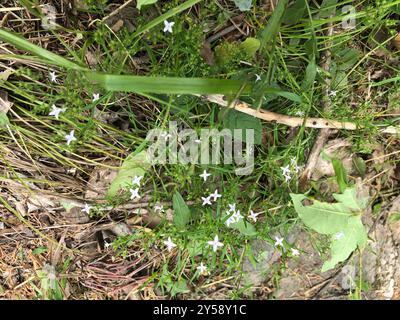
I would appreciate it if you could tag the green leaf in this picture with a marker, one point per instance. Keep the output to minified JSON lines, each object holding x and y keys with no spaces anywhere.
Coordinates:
{"x":271,"y":29}
{"x":3,"y":120}
{"x":327,"y":8}
{"x":360,"y":165}
{"x":141,"y":3}
{"x":341,"y":174}
{"x":250,"y":46}
{"x":238,"y":120}
{"x":182,"y":214}
{"x":311,"y":72}
{"x":24,"y":44}
{"x":354,"y":236}
{"x":243,"y":5}
{"x":39,"y":250}
{"x":343,"y":217}
{"x":168,"y":85}
{"x":346,"y":58}
{"x":244,"y":228}
{"x":136,"y":164}
{"x":295,"y":12}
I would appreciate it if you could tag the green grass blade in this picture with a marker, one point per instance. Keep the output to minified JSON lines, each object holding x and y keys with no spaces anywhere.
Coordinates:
{"x":165,"y":16}
{"x":25,"y":45}
{"x":168,"y":85}
{"x":272,"y":27}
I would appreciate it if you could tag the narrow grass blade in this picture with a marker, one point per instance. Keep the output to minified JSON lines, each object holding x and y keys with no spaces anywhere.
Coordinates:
{"x":25,"y":45}
{"x":168,"y":85}
{"x":165,"y":16}
{"x":271,"y":29}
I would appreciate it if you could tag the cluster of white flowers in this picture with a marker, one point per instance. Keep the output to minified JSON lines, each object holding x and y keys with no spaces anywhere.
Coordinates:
{"x":56,"y":111}
{"x":212,"y":197}
{"x":214,"y":243}
{"x":279,"y":243}
{"x":234,"y":215}
{"x":135,"y":191}
{"x":291,"y":168}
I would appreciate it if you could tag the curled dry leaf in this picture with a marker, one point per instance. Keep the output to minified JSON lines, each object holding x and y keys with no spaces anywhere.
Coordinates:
{"x":339,"y":149}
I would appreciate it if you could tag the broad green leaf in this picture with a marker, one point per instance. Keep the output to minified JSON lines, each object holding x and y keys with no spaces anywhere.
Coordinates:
{"x":271,"y":29}
{"x":182,"y":214}
{"x":250,"y":46}
{"x":244,"y":227}
{"x":354,"y":236}
{"x":136,"y":164}
{"x":349,"y":197}
{"x":3,"y":120}
{"x":295,"y":12}
{"x":141,"y":3}
{"x":341,"y":220}
{"x":237,"y":120}
{"x":329,"y":218}
{"x":341,"y":174}
{"x":243,"y":5}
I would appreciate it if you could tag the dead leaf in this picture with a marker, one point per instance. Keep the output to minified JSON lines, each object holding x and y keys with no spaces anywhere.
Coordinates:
{"x":207,"y":53}
{"x":339,"y":149}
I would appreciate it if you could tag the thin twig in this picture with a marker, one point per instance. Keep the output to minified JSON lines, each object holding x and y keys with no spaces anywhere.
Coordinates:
{"x":318,"y":123}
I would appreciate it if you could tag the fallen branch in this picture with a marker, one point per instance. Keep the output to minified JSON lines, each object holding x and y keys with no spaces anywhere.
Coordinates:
{"x":318,"y":123}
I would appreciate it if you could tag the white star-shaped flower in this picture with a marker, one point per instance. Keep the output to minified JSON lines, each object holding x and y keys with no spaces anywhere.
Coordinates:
{"x":339,"y":235}
{"x":205,"y":175}
{"x":70,"y":137}
{"x":86,"y":208}
{"x":237,"y":216}
{"x":215,"y":195}
{"x":215,"y":243}
{"x":278,"y":241}
{"x":287,"y":177}
{"x":229,"y":221}
{"x":258,"y":78}
{"x":232,"y":207}
{"x":159,"y":208}
{"x":285,"y":170}
{"x":55,"y":111}
{"x":96,"y":96}
{"x":168,"y":26}
{"x":170,"y":245}
{"x":202,"y":268}
{"x":206,"y":200}
{"x":53,"y":76}
{"x":295,"y":252}
{"x":136,"y":180}
{"x":135,"y":193}
{"x":332,"y":93}
{"x":253,"y":215}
